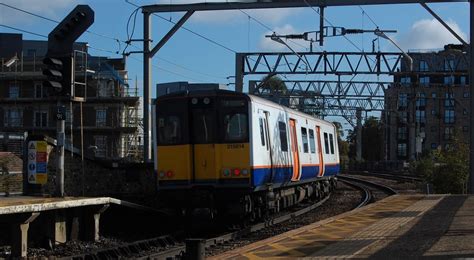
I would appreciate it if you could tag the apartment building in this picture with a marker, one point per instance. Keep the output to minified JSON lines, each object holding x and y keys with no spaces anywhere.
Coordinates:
{"x":429,"y":107}
{"x":105,"y":126}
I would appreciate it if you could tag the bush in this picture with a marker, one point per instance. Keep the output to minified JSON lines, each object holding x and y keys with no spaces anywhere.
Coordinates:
{"x":447,"y":169}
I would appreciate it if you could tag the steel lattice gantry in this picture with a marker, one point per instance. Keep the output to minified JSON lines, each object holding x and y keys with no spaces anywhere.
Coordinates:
{"x":326,"y":98}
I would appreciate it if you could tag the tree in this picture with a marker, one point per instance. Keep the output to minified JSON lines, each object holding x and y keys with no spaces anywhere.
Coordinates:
{"x":342,"y":144}
{"x":372,"y":140}
{"x":273,"y":83}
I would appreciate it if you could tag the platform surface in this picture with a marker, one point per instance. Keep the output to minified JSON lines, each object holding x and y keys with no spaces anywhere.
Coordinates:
{"x":26,"y":204}
{"x":400,"y":226}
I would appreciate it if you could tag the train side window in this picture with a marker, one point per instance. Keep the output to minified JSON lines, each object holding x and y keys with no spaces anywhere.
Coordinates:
{"x":304,"y":136}
{"x":331,"y":142}
{"x":311,"y":141}
{"x":283,"y":138}
{"x":262,"y":133}
{"x":326,"y":143}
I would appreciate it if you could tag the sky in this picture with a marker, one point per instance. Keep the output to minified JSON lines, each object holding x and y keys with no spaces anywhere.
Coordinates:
{"x":189,"y":57}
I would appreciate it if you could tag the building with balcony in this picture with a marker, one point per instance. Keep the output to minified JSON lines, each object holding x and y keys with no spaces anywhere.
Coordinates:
{"x":428,"y":108}
{"x":105,"y":125}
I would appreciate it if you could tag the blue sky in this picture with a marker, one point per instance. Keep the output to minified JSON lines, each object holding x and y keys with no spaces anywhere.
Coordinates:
{"x":196,"y":60}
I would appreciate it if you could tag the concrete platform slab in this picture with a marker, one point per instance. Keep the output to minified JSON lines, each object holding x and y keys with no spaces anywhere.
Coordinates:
{"x":401,"y":226}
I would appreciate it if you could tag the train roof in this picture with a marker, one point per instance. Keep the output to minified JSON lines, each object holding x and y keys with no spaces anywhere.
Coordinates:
{"x":286,"y":109}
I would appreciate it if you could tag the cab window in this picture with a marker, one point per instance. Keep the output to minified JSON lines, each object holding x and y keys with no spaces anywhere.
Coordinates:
{"x":235,"y":127}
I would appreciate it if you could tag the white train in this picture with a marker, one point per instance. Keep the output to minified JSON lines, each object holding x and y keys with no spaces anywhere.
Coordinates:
{"x":235,"y":152}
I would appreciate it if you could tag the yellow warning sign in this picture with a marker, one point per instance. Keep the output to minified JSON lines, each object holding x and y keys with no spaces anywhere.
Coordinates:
{"x":41,"y":146}
{"x":41,"y":178}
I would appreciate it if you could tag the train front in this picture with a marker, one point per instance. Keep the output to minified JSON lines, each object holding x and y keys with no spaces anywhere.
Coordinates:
{"x":203,"y":150}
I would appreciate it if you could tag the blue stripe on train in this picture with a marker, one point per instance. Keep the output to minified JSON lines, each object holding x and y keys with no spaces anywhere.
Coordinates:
{"x":262,"y":176}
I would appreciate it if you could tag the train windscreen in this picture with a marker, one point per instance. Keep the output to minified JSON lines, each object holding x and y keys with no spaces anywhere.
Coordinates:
{"x":172,"y":122}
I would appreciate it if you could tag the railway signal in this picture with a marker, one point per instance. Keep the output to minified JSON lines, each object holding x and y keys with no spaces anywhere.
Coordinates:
{"x":58,"y":74}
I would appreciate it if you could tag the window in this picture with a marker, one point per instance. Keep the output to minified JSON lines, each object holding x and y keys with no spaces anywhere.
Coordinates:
{"x":421,"y":100}
{"x":465,"y":95}
{"x":203,"y":131}
{"x":172,"y":122}
{"x":326,"y":143}
{"x":402,"y":149}
{"x":448,"y":133}
{"x":449,"y":80}
{"x":100,"y":117}
{"x":68,"y":116}
{"x":433,"y":94}
{"x":311,"y":141}
{"x":331,"y":143}
{"x":402,"y":133}
{"x":423,"y":65}
{"x":449,"y":116}
{"x":403,"y":117}
{"x":425,"y":81}
{"x":14,"y":91}
{"x":39,"y":90}
{"x":41,"y":119}
{"x":462,"y":80}
{"x":304,"y":136}
{"x":405,"y":80}
{"x":102,"y":89}
{"x":101,"y":143}
{"x":449,"y":100}
{"x":283,"y":138}
{"x":420,"y":116}
{"x":13,"y":117}
{"x":449,"y":65}
{"x":262,"y":132}
{"x":235,"y":125}
{"x":169,"y":129}
{"x":402,"y":100}
{"x":433,"y":112}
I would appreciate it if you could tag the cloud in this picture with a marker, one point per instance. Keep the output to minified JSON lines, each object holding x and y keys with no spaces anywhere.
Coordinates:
{"x":270,"y":16}
{"x":53,"y":9}
{"x":266,"y":44}
{"x":429,"y":34}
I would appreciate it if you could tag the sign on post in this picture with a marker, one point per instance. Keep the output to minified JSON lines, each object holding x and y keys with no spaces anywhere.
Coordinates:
{"x":37,"y":162}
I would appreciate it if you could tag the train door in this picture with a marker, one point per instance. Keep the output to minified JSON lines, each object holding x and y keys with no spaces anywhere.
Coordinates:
{"x":294,"y":151}
{"x":320,"y":151}
{"x":268,"y":143}
{"x":203,"y":133}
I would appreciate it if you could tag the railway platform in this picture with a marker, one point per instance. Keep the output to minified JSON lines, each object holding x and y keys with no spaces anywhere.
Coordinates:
{"x":400,"y":226}
{"x":55,"y":219}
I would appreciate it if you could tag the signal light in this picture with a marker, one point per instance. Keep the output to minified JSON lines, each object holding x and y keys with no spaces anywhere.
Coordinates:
{"x":226,"y":172}
{"x":162,"y":174}
{"x":169,"y":174}
{"x":236,"y":172}
{"x":245,"y":172}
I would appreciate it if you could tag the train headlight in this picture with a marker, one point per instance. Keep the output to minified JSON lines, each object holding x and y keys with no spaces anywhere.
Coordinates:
{"x":206,"y":101}
{"x":245,"y":172}
{"x":226,"y":172}
{"x":194,"y":101}
{"x":162,"y":174}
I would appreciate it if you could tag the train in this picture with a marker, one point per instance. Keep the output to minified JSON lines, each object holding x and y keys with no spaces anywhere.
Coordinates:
{"x":237,"y":153}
